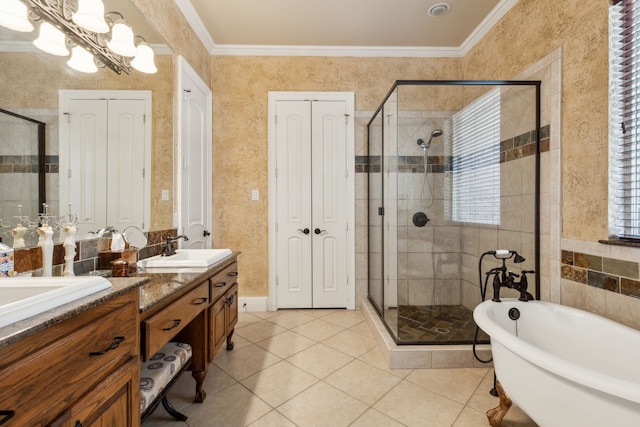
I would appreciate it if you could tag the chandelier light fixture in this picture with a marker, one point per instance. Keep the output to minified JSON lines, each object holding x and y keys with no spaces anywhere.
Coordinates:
{"x":83,"y":25}
{"x":13,"y":15}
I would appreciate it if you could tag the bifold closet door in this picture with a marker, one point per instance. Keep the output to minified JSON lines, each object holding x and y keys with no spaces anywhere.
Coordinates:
{"x":311,"y":204}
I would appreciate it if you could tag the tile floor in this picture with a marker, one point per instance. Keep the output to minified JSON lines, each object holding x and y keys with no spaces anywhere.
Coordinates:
{"x":323,"y":368}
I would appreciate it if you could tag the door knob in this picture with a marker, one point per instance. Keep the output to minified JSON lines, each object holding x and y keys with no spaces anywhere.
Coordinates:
{"x":305,"y":231}
{"x":318,"y":231}
{"x":206,"y":233}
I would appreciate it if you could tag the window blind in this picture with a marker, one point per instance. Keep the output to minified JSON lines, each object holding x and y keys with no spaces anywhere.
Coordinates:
{"x":476,"y":161}
{"x":624,"y":127}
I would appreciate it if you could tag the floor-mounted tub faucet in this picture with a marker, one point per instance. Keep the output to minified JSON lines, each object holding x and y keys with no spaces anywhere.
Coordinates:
{"x":169,"y":247}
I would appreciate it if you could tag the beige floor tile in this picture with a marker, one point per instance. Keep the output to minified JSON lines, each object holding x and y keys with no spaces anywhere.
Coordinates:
{"x":457,"y":384}
{"x":322,"y":405}
{"x":161,"y":419}
{"x":290,"y":319}
{"x":244,"y":362}
{"x":278,"y":383}
{"x":259,"y":331}
{"x":320,"y":360}
{"x":373,"y":418}
{"x":350,"y":343}
{"x":264,"y":314}
{"x":362,"y":328}
{"x":363,"y":381}
{"x":234,"y":406}
{"x":416,"y":406}
{"x":317,"y":312}
{"x":481,"y":399}
{"x":318,"y":329}
{"x":272,"y":419}
{"x":286,"y":344}
{"x":471,"y":418}
{"x":238,"y":342}
{"x":216,"y":380}
{"x":374,"y":357}
{"x":345,"y":318}
{"x":245,"y":319}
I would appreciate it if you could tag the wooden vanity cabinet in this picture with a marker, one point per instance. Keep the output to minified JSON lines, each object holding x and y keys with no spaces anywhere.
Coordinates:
{"x":223,"y":313}
{"x":82,"y":371}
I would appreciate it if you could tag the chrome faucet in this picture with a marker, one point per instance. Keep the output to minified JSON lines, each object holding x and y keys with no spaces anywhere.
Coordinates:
{"x":169,"y":247}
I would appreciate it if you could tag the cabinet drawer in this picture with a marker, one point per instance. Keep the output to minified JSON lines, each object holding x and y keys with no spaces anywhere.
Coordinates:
{"x":222,"y":281}
{"x":164,"y":325}
{"x":58,"y":374}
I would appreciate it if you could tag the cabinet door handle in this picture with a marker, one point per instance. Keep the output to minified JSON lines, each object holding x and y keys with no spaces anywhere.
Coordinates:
{"x":78,"y":424}
{"x":115,"y":344}
{"x":176,"y":323}
{"x":233,"y":274}
{"x":7,"y":415}
{"x":220,"y":284}
{"x":230,"y":300}
{"x":200,"y":301}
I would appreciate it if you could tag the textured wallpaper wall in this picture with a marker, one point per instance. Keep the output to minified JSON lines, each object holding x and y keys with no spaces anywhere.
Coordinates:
{"x":240,"y":87}
{"x":531,"y":30}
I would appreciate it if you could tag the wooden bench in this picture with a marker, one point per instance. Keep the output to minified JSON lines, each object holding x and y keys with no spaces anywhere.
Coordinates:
{"x":157,"y":376}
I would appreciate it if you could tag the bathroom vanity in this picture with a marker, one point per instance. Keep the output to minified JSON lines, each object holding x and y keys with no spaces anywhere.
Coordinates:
{"x":79,"y":364}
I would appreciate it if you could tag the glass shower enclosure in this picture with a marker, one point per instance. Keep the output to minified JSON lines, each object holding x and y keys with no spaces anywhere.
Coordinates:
{"x":453,"y":172}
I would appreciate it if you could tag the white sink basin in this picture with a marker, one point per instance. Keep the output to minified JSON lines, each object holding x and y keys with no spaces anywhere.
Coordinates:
{"x":22,"y":297}
{"x":186,"y":258}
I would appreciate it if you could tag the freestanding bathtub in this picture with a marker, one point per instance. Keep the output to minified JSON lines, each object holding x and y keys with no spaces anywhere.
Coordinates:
{"x":564,"y":367}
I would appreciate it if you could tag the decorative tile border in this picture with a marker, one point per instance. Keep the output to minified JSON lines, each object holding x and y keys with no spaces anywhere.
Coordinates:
{"x":515,"y":148}
{"x":610,"y":274}
{"x":28,"y":164}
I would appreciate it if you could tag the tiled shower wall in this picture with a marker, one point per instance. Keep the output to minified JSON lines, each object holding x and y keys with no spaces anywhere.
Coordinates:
{"x":19,"y":165}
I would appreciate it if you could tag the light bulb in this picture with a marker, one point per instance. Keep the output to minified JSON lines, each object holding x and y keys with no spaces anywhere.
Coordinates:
{"x":144,"y":59}
{"x":90,"y":16}
{"x":122,"y":39}
{"x":13,"y":15}
{"x":81,"y":60}
{"x":51,"y":40}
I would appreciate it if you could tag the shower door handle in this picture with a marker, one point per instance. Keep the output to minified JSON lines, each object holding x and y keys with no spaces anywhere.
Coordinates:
{"x":305,"y":231}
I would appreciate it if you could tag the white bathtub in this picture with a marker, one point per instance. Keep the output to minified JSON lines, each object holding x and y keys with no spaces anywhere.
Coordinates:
{"x":564,"y":367}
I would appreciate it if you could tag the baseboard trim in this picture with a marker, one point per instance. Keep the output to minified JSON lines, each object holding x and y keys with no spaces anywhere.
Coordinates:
{"x":249,"y":304}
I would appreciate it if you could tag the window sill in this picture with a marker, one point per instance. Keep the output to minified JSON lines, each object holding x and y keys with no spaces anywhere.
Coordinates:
{"x":619,"y":242}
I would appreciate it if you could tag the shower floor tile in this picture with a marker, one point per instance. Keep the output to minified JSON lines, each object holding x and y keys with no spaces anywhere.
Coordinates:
{"x":437,"y":324}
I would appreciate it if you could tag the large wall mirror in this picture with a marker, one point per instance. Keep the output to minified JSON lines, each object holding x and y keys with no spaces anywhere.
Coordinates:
{"x":30,"y":85}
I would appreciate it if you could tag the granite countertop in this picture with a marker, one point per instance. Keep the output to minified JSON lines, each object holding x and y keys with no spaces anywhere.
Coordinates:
{"x":16,"y":331}
{"x":156,"y":285}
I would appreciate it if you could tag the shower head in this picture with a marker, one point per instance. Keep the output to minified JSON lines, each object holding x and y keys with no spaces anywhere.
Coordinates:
{"x":436,"y":133}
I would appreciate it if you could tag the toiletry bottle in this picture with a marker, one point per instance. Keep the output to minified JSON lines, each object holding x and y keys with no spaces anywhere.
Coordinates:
{"x":6,"y":261}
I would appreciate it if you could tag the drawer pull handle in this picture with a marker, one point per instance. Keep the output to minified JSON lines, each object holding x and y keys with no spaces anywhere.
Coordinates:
{"x":200,"y":301}
{"x":233,"y":274}
{"x":221,"y":284}
{"x":176,"y":323}
{"x":115,"y":344}
{"x":230,"y":299}
{"x":7,"y":416}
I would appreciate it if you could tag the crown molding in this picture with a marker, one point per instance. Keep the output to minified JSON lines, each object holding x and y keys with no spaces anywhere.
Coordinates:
{"x":352,"y":51}
{"x":486,"y":25}
{"x":29,"y":47}
{"x":196,"y":23}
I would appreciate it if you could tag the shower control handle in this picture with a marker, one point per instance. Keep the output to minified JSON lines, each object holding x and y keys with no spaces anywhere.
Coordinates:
{"x":305,"y":231}
{"x":318,"y":231}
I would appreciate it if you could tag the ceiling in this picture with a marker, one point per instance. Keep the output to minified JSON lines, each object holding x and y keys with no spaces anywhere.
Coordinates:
{"x":341,"y":23}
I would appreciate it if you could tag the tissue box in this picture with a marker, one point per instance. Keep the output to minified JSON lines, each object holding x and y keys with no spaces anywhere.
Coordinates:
{"x":105,"y":258}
